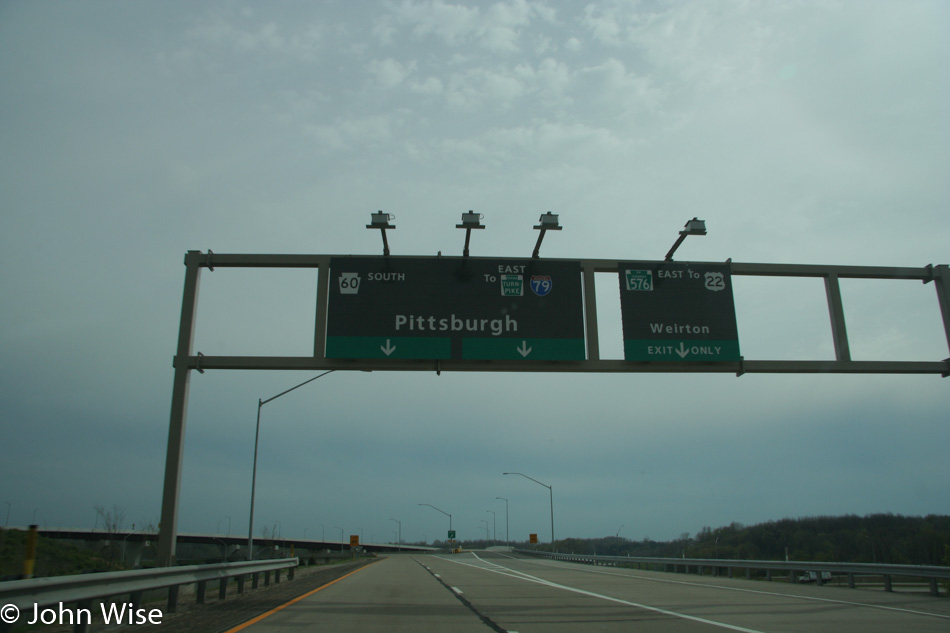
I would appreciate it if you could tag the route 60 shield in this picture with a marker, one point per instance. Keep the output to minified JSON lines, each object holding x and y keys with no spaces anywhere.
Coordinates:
{"x":349,"y":283}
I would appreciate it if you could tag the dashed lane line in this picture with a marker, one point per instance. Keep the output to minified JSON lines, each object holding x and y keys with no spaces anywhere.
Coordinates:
{"x":511,"y":573}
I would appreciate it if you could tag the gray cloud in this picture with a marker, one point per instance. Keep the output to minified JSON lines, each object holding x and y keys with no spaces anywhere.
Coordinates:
{"x":130,"y":133}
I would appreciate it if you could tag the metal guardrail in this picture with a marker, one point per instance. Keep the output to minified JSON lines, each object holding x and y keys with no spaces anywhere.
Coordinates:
{"x":37,"y":593}
{"x":930,"y":573}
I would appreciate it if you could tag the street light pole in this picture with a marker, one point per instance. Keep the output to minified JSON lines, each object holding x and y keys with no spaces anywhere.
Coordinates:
{"x":551,"y":492}
{"x":398,"y":538}
{"x":494,"y":526}
{"x":507,"y":536}
{"x":257,"y":435}
{"x":442,"y":511}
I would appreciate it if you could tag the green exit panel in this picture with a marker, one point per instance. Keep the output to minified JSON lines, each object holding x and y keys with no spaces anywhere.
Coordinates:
{"x":537,"y":349}
{"x":401,"y":347}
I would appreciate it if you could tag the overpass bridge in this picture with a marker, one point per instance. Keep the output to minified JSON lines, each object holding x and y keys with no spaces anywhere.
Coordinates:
{"x":136,"y":547}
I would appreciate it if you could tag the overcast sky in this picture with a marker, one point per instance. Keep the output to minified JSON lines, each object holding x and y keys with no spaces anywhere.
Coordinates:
{"x":132,"y":132}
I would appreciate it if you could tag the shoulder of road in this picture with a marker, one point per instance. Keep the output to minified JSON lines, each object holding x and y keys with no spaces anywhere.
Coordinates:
{"x":216,"y":616}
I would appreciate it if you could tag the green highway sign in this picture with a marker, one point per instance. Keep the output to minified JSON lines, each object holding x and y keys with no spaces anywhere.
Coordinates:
{"x":675,"y":311}
{"x":455,"y":308}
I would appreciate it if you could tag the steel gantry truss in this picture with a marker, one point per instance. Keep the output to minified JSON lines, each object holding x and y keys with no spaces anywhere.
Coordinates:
{"x":186,"y":359}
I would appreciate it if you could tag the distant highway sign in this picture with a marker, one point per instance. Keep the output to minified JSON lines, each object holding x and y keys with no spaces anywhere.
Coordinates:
{"x":678,"y":312}
{"x":455,"y":308}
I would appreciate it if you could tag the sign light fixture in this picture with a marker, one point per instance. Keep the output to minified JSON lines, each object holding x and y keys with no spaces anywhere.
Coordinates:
{"x":470,"y":220}
{"x":547,"y":222}
{"x":380,"y":221}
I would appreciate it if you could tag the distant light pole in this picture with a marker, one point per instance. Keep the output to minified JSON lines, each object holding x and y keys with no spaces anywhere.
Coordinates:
{"x":442,"y":511}
{"x":551,"y":491}
{"x":6,"y":523}
{"x":399,"y":537}
{"x":123,"y":541}
{"x":341,"y":538}
{"x":507,"y":536}
{"x":494,"y":526}
{"x":257,"y":435}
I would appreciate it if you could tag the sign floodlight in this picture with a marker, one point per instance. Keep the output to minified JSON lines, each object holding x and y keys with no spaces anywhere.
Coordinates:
{"x":470,"y":220}
{"x":547,"y":222}
{"x":693,"y":227}
{"x":380,"y":220}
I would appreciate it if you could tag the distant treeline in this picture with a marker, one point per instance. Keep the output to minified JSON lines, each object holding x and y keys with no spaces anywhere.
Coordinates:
{"x":875,"y":538}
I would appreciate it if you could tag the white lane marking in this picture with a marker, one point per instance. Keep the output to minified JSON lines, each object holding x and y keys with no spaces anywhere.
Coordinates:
{"x":511,"y":573}
{"x":757,"y":591}
{"x":457,"y":590}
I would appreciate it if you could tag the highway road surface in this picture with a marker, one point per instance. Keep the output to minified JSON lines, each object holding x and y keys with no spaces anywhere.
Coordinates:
{"x":486,"y":591}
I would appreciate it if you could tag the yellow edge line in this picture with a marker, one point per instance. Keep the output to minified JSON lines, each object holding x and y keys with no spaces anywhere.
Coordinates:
{"x":257,"y":619}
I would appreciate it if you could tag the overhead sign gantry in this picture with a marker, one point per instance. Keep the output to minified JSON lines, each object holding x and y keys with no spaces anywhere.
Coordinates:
{"x":516,"y":315}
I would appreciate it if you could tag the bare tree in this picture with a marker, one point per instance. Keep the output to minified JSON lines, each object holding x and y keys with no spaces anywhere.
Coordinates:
{"x":112,"y":523}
